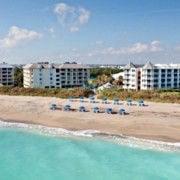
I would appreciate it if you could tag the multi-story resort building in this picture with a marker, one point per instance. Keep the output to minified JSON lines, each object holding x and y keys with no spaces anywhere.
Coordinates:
{"x":45,"y":75}
{"x":151,"y":76}
{"x":6,"y":75}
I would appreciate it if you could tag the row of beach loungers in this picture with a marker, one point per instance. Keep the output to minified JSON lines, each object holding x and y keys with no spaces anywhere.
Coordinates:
{"x":96,"y":109}
{"x":83,"y":109}
{"x":104,"y":100}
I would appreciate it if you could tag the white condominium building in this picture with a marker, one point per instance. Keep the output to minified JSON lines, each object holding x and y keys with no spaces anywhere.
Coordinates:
{"x":151,"y":76}
{"x":45,"y":75}
{"x":6,"y":75}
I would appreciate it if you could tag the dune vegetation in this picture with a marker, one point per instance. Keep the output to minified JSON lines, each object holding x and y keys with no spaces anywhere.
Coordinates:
{"x":169,"y":96}
{"x":61,"y":93}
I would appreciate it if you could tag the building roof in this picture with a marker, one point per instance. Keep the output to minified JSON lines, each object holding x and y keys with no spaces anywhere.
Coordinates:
{"x":73,"y":66}
{"x":167,"y":66}
{"x":58,"y":66}
{"x":129,"y":66}
{"x":148,"y":65}
{"x":4,"y":65}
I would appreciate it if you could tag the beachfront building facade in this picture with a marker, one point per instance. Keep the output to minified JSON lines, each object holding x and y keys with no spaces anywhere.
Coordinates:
{"x":151,"y":76}
{"x":6,"y":75}
{"x":45,"y":75}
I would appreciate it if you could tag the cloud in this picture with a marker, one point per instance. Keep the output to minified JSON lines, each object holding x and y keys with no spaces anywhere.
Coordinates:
{"x":137,"y":48}
{"x":51,"y":30}
{"x":17,"y":36}
{"x":99,"y":42}
{"x":177,"y":48}
{"x":71,"y":17}
{"x":74,"y":29}
{"x":84,"y":16}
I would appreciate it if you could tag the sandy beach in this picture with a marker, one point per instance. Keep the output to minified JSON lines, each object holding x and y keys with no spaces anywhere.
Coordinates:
{"x":156,"y":121}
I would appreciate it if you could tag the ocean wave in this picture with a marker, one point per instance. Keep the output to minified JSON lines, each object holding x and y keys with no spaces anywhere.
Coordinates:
{"x":48,"y":130}
{"x":118,"y":139}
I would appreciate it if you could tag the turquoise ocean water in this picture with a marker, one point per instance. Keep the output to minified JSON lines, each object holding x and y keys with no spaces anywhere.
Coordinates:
{"x":30,"y":156}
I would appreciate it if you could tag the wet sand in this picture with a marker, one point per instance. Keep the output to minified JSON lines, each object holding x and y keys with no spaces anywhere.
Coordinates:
{"x":156,"y":121}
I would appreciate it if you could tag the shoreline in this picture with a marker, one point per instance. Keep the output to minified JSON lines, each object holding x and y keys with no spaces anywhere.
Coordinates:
{"x":157,"y":121}
{"x":128,"y":141}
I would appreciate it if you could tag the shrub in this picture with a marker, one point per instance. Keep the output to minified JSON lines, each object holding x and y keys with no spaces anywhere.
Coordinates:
{"x":61,"y":93}
{"x":157,"y":96}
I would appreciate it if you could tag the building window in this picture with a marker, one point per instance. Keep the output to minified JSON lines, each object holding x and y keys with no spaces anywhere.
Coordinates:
{"x":169,"y":70}
{"x":169,"y":75}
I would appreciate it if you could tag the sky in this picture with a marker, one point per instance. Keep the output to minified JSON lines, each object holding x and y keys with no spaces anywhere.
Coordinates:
{"x":90,"y":31}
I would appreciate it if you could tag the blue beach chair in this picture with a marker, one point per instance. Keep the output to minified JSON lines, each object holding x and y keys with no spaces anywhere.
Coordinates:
{"x":92,"y":99}
{"x":109,"y":110}
{"x":104,"y":100}
{"x":70,"y":98}
{"x":67,"y":108}
{"x":141,"y":102}
{"x":81,"y":99}
{"x":129,"y":102}
{"x":122,"y":112}
{"x":116,"y":101}
{"x":53,"y":107}
{"x":82,"y":109}
{"x":96,"y":110}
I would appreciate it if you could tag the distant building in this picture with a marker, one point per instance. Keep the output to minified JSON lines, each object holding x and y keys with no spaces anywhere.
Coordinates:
{"x":45,"y":75}
{"x":151,"y":76}
{"x":6,"y":75}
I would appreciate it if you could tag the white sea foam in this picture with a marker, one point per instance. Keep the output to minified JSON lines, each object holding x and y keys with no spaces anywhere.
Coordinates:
{"x":122,"y":140}
{"x":48,"y":130}
{"x":146,"y":144}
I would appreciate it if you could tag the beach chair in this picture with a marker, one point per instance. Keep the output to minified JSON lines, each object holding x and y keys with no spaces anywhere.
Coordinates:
{"x":104,"y":100}
{"x":129,"y":102}
{"x":116,"y":101}
{"x":92,"y":99}
{"x":81,"y":99}
{"x":67,"y":108}
{"x":141,"y":102}
{"x":53,"y":107}
{"x":96,"y":110}
{"x":82,"y":109}
{"x":70,"y":98}
{"x":122,"y":112}
{"x":109,"y":110}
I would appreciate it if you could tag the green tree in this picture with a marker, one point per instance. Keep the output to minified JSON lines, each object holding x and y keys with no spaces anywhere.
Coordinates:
{"x":18,"y":77}
{"x":95,"y":72}
{"x":102,"y":79}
